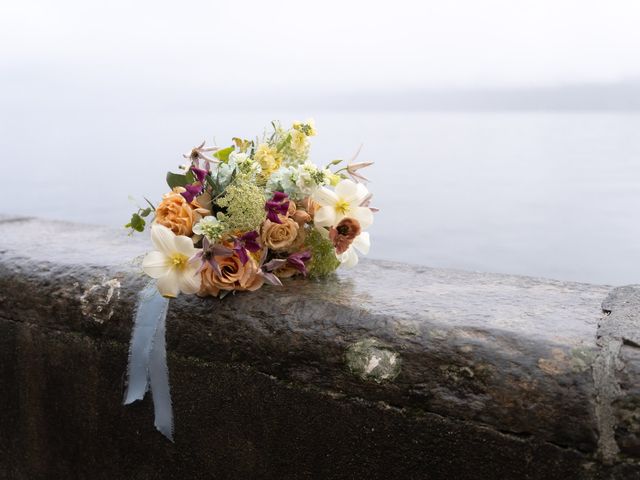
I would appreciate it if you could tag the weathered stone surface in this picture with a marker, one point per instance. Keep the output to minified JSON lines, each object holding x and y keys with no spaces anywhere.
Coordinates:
{"x":460,"y":374}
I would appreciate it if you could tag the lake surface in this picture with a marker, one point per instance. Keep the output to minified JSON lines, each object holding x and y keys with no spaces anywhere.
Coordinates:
{"x":544,"y":194}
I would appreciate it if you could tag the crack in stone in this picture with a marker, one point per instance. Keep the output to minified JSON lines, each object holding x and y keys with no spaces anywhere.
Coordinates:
{"x":617,"y":328}
{"x":607,"y":391}
{"x":630,"y":343}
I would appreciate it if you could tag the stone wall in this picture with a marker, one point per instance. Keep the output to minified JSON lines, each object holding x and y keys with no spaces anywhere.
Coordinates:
{"x":384,"y":371}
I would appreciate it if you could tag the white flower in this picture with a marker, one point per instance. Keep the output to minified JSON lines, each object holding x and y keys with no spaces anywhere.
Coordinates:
{"x":223,"y":173}
{"x":283,"y":180}
{"x":361,"y":243}
{"x":172,"y":263}
{"x":210,"y":227}
{"x":235,"y":158}
{"x":344,"y":202}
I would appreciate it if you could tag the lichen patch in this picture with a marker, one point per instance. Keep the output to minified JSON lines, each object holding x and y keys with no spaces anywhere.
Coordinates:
{"x":372,"y":361}
{"x":96,"y":301}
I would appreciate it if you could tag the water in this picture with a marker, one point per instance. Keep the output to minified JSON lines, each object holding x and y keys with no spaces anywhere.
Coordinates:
{"x":545,"y":194}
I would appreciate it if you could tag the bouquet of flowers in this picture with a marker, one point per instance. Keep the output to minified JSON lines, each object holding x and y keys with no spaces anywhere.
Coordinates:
{"x":255,"y":212}
{"x":238,"y":217}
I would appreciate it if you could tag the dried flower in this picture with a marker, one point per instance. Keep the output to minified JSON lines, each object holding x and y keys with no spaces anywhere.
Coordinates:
{"x":343,"y":234}
{"x":200,"y":153}
{"x":352,"y":170}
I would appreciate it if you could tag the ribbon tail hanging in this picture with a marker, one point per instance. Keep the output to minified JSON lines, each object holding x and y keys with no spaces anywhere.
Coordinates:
{"x":159,"y":376}
{"x":148,"y":358}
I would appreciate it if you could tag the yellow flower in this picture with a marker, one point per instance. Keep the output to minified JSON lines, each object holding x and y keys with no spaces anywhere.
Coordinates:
{"x":269,"y":159}
{"x":298,"y":141}
{"x":308,"y":127}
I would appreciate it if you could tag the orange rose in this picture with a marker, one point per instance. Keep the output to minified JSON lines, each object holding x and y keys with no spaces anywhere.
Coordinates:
{"x":279,"y":236}
{"x":234,"y":276}
{"x":176,"y":213}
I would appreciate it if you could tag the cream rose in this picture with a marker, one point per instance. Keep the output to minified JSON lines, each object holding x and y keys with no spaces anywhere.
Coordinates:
{"x":279,"y":236}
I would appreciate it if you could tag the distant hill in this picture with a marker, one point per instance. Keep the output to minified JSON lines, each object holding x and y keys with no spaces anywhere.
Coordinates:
{"x":609,"y":97}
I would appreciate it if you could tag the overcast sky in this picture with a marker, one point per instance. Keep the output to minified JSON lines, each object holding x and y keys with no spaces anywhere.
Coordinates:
{"x":309,"y":47}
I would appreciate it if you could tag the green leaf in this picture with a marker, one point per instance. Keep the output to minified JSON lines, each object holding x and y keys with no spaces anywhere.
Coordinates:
{"x":179,"y":180}
{"x":137,"y":223}
{"x":146,"y":212}
{"x":223,"y":155}
{"x":149,"y":203}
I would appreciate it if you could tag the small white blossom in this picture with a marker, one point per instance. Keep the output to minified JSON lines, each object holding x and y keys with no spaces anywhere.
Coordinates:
{"x":210,"y":227}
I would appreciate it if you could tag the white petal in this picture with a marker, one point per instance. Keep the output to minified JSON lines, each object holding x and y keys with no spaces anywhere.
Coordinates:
{"x":347,"y":190}
{"x":168,"y":285}
{"x":184,"y":245}
{"x":189,"y":281}
{"x":325,"y":197}
{"x":361,"y":194}
{"x":156,"y":264}
{"x":325,"y":217}
{"x":362,"y":242}
{"x":163,"y":239}
{"x":349,"y":258}
{"x":363,"y":215}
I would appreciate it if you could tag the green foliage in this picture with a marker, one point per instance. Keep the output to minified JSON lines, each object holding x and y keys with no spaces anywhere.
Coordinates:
{"x":323,"y":254}
{"x":223,"y":155}
{"x":137,"y":222}
{"x":179,"y":180}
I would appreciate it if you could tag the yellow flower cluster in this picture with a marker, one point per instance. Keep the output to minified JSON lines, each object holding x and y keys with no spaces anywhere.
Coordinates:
{"x":269,"y":159}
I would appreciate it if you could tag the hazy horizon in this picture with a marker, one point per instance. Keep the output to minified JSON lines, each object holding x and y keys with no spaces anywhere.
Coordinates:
{"x":247,"y":54}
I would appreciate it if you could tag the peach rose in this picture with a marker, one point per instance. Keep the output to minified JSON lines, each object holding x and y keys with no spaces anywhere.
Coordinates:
{"x":176,"y":213}
{"x":292,"y":208}
{"x":309,"y":206}
{"x":279,"y":236}
{"x":234,"y":276}
{"x":301,"y":217}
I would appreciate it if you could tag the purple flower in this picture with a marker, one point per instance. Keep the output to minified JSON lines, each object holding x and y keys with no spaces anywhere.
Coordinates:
{"x":244,"y":243}
{"x":209,"y":253}
{"x":295,"y":260}
{"x":192,"y":191}
{"x":279,"y":204}
{"x":199,"y":173}
{"x":298,"y":261}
